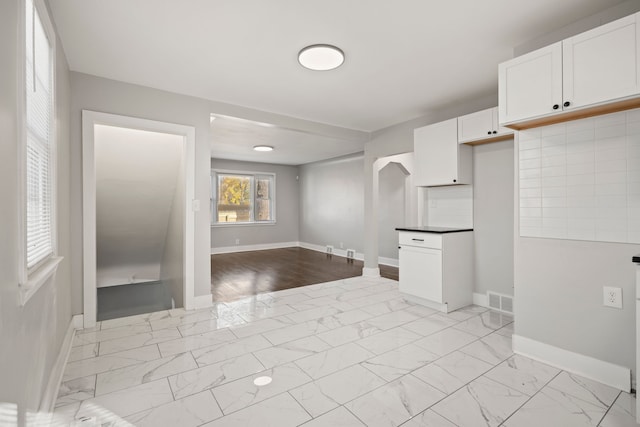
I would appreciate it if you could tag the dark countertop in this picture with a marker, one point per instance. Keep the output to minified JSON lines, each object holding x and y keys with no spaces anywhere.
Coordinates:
{"x":439,"y":230}
{"x":635,"y":258}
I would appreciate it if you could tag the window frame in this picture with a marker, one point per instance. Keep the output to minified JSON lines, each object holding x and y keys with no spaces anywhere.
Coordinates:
{"x":32,"y":279}
{"x":253,"y":175}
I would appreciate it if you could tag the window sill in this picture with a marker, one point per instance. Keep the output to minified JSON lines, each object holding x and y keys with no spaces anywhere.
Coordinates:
{"x":242,"y":224}
{"x":37,"y":279}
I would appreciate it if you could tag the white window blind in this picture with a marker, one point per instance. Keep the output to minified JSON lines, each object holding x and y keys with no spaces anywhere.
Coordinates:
{"x":39,"y":144}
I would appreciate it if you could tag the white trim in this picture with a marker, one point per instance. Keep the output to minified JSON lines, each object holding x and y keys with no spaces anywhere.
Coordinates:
{"x":202,"y":301}
{"x":370,"y":272}
{"x":247,"y":248}
{"x":89,"y":120}
{"x":392,"y":262}
{"x":48,"y":401}
{"x":444,"y":308}
{"x":78,"y":321}
{"x":38,"y":278}
{"x":481,"y":299}
{"x":605,"y":372}
{"x":337,"y":252}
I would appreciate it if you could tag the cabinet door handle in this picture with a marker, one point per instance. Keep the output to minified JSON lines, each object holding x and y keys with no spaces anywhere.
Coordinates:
{"x":556,"y":106}
{"x":489,"y":133}
{"x":566,"y":103}
{"x":418,"y":240}
{"x":495,"y":131}
{"x":455,"y":180}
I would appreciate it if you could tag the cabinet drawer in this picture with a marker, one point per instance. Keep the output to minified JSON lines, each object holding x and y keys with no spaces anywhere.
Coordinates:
{"x":425,"y":240}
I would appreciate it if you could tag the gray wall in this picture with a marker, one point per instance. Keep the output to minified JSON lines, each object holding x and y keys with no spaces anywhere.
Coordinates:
{"x":31,"y":335}
{"x":493,"y":217}
{"x":98,"y":94}
{"x":391,"y":192}
{"x":287,"y":204}
{"x":331,"y":202}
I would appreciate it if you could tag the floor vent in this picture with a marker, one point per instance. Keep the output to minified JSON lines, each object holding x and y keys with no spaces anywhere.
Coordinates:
{"x":351,"y":253}
{"x":329,"y":250}
{"x":500,"y":302}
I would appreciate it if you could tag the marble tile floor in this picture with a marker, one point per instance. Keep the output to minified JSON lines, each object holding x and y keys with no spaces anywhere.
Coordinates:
{"x":345,"y":353}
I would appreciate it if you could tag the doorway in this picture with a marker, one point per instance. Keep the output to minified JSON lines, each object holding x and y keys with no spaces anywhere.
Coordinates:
{"x":138,"y":184}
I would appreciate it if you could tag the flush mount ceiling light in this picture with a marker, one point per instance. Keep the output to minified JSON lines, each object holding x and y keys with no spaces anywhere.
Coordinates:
{"x":263,"y":148}
{"x":321,"y":57}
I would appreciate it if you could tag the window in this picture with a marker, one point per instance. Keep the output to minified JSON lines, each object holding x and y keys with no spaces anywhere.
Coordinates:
{"x":242,"y":198}
{"x":38,"y":149}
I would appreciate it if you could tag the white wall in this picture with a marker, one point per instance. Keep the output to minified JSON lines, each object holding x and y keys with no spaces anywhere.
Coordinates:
{"x":137,"y":174}
{"x":31,"y":335}
{"x":331,"y":202}
{"x":391,"y":187}
{"x":493,"y":217}
{"x":287,"y":209}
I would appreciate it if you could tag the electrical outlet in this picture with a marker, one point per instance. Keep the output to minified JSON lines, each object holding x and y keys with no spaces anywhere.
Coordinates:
{"x":612,"y":297}
{"x":341,"y":245}
{"x":237,"y":241}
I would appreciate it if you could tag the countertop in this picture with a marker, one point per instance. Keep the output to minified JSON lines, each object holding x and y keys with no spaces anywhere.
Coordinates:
{"x":439,"y":230}
{"x":635,"y":258}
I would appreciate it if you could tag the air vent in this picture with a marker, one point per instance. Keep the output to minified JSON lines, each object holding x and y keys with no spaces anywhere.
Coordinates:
{"x":329,"y":250}
{"x":500,"y":302}
{"x":351,"y":253}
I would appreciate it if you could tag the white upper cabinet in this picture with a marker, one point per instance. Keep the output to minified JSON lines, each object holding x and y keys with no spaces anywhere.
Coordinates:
{"x":602,"y":64}
{"x":440,"y":160}
{"x":481,"y":126}
{"x":530,"y":85}
{"x":591,"y":73}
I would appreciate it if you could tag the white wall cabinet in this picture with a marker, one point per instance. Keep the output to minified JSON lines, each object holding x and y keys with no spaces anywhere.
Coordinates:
{"x":581,"y":75}
{"x":436,"y":270}
{"x":440,"y":160}
{"x":481,"y":126}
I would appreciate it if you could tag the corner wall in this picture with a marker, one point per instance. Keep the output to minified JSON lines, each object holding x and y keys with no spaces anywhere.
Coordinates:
{"x":324,"y":186}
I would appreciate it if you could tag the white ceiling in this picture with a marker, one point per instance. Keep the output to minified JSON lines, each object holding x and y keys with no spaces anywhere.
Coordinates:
{"x":234,"y":139}
{"x":404,"y":58}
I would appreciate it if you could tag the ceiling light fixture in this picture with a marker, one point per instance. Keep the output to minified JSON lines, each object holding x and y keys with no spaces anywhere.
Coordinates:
{"x":321,"y":57}
{"x":263,"y":148}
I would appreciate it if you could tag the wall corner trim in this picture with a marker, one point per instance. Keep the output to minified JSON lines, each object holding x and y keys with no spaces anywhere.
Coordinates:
{"x":370,"y":272}
{"x":48,"y":400}
{"x":605,"y":372}
{"x":202,"y":301}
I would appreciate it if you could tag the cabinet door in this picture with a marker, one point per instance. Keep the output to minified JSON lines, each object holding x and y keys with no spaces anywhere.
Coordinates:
{"x":500,"y":130}
{"x":530,"y":85}
{"x":476,"y":126}
{"x":602,"y":64}
{"x":420,"y":272}
{"x":436,"y":152}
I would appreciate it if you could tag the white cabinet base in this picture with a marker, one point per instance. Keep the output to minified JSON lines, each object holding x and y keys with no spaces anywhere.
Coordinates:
{"x":443,"y":308}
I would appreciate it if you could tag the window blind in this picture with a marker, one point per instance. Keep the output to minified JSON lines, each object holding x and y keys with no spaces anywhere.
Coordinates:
{"x":39,"y":215}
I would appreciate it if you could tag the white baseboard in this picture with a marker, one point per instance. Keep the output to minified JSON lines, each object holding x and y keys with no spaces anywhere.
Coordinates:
{"x":607,"y":373}
{"x":246,"y":248}
{"x":48,"y":401}
{"x":481,"y":299}
{"x":336,"y":251}
{"x":370,"y":272}
{"x":392,"y":262}
{"x":202,"y":301}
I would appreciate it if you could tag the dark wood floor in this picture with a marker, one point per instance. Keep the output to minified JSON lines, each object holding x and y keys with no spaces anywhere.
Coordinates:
{"x":242,"y":274}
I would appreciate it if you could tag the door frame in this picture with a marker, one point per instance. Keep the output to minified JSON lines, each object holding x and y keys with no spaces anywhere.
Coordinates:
{"x":89,"y":120}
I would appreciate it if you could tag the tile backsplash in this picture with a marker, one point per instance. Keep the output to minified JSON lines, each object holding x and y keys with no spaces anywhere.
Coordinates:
{"x":580,"y":180}
{"x":450,"y":206}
